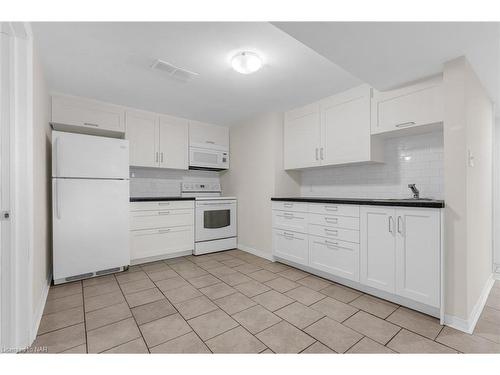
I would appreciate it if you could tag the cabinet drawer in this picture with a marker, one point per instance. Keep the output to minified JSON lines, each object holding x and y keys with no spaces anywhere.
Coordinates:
{"x":345,"y":222}
{"x":333,"y":256}
{"x":289,"y":220}
{"x":290,"y":246}
{"x":290,"y":206}
{"x":85,"y":113}
{"x":161,"y":205}
{"x":334,"y":209}
{"x":157,"y":242}
{"x":161,"y":219}
{"x":334,"y":233}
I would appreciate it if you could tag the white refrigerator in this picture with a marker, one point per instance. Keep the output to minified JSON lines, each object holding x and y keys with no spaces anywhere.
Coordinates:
{"x":90,"y":200}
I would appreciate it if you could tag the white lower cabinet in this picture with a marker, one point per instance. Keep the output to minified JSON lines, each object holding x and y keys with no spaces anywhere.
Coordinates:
{"x":291,"y":246}
{"x":340,"y":258}
{"x":395,"y":250}
{"x":160,"y":229}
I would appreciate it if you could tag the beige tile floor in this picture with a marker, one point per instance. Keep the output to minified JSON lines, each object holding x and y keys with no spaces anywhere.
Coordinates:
{"x":235,"y":302}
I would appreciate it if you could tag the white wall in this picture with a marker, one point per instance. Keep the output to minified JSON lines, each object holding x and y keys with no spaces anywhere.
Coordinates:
{"x":408,"y":159}
{"x":256,"y":175}
{"x":468,"y":189}
{"x":496,"y":196}
{"x":42,"y":228}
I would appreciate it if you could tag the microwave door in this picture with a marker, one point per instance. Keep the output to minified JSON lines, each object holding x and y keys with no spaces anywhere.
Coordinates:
{"x":204,"y":158}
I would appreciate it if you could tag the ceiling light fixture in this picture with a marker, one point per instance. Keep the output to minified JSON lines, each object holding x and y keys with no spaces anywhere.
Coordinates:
{"x":246,"y":62}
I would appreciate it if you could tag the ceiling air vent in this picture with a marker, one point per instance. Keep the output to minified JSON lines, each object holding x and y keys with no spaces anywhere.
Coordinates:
{"x":179,"y":74}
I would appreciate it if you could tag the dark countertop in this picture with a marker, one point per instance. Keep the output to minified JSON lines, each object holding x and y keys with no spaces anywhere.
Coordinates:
{"x":155,"y":199}
{"x":428,"y":203}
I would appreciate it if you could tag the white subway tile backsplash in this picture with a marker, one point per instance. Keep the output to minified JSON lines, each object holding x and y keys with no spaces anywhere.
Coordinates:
{"x":149,"y":182}
{"x":415,"y":159}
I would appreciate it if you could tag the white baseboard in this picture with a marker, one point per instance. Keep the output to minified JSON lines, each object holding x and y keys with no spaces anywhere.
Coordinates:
{"x":468,"y":325}
{"x":37,"y":316}
{"x":256,"y":252}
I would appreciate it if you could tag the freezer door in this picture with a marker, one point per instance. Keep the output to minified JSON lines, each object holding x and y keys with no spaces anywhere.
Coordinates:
{"x":88,"y":156}
{"x":90,"y":225}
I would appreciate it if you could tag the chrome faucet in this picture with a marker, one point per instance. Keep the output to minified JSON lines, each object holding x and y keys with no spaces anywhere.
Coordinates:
{"x":414,"y":190}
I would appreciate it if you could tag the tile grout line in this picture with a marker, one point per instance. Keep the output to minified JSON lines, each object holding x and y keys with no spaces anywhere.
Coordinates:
{"x":133,"y":317}
{"x":85,"y":321}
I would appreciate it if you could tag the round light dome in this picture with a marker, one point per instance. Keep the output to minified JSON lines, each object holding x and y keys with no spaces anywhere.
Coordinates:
{"x":246,"y":62}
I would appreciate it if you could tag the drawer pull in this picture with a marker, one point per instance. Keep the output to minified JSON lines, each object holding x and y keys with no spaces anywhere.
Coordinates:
{"x":405,"y":124}
{"x":163,"y":203}
{"x":332,"y":220}
{"x":333,"y":232}
{"x":90,"y":124}
{"x":163,"y":212}
{"x":287,"y":204}
{"x":163,"y":230}
{"x":331,"y":208}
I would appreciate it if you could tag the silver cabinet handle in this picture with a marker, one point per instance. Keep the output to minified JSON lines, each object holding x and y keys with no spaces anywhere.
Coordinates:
{"x":331,"y":220}
{"x":289,"y":205}
{"x":211,"y":142}
{"x":163,"y":212}
{"x":91,"y":124}
{"x":161,"y":156}
{"x":156,"y":157}
{"x":331,"y":208}
{"x":163,"y":230}
{"x":317,"y":158}
{"x":400,"y":220}
{"x":405,"y":124}
{"x":321,"y":153}
{"x":56,"y":156}
{"x":391,"y":219}
{"x":333,"y":232}
{"x":163,"y":203}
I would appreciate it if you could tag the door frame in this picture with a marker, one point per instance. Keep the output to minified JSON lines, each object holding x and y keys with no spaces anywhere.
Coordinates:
{"x":16,"y":252}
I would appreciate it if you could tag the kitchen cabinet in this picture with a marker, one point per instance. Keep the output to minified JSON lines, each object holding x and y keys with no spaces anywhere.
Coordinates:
{"x":87,"y":116}
{"x":411,"y":106}
{"x":160,"y":230}
{"x":302,"y":137}
{"x":400,"y":252}
{"x":390,"y":251}
{"x":157,"y":140}
{"x":378,"y":239}
{"x":173,"y":142}
{"x":332,"y":131}
{"x":205,"y":135}
{"x":142,"y":133}
{"x":418,"y":243}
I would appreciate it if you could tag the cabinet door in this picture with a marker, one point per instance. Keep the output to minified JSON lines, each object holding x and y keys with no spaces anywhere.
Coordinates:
{"x":339,"y":258}
{"x":302,"y":137}
{"x":203,"y":135}
{"x":142,"y":133}
{"x":291,"y":246}
{"x":418,"y":255}
{"x":345,"y":127}
{"x":411,"y":106}
{"x":174,"y":136}
{"x":378,"y":242}
{"x":80,"y":113}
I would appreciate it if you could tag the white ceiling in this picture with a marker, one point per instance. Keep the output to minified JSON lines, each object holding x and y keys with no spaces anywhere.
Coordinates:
{"x":386,"y":54}
{"x":111,"y":62}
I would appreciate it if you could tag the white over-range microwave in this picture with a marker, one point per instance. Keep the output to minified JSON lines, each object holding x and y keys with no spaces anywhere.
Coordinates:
{"x":208,"y":159}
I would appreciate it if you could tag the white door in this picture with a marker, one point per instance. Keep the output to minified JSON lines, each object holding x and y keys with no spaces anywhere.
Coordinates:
{"x":89,"y":156}
{"x":90,"y":225}
{"x":345,"y":127}
{"x":174,"y":138}
{"x":142,"y":134}
{"x":418,"y":255}
{"x":302,"y":137}
{"x":378,"y":242}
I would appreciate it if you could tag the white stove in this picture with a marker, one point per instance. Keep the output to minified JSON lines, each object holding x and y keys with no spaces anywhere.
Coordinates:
{"x":215,"y":217}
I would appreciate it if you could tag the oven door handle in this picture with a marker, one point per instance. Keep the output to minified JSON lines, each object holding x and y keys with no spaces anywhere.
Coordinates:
{"x":215,"y":204}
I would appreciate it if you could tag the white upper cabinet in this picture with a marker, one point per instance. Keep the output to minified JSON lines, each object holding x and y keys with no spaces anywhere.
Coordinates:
{"x":302,"y":137}
{"x":409,"y":106}
{"x":345,"y":128}
{"x":142,"y":133}
{"x":87,"y":116}
{"x":157,"y":140}
{"x":333,"y":131}
{"x":173,"y":142}
{"x":207,"y":135}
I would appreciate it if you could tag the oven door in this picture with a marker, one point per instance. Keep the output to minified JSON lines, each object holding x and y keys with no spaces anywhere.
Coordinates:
{"x":215,"y":220}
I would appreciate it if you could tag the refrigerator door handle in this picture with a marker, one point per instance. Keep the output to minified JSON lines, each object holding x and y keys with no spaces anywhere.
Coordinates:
{"x":56,"y":156}
{"x":56,"y":202}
